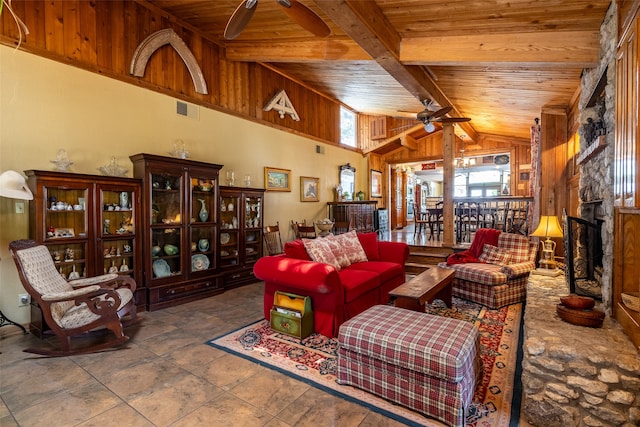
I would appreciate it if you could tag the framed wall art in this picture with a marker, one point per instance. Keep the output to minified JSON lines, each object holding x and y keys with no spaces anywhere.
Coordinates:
{"x":277,"y":179}
{"x":376,"y":183}
{"x":309,"y":189}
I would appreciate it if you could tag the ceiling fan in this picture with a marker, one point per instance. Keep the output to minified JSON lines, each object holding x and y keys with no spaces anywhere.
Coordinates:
{"x":295,"y":10}
{"x":429,"y":115}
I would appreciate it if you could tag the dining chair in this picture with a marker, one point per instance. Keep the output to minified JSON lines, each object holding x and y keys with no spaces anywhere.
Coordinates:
{"x":273,"y":240}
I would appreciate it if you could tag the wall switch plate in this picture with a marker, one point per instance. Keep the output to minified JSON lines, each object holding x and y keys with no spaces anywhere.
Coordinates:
{"x":19,"y":207}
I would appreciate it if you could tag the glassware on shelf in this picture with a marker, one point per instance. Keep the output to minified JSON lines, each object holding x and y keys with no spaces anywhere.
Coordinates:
{"x":113,"y":168}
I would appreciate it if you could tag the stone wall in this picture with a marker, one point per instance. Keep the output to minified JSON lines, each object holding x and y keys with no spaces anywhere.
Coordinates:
{"x":575,"y":375}
{"x":596,"y":174}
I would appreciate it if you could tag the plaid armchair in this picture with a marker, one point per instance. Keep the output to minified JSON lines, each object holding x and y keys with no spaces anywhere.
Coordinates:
{"x":501,"y":279}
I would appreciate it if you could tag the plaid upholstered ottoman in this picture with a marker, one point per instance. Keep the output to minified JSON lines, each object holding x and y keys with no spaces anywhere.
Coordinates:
{"x":424,"y":362}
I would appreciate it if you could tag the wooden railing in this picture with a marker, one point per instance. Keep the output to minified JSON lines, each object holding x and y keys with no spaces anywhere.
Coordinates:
{"x":509,"y":214}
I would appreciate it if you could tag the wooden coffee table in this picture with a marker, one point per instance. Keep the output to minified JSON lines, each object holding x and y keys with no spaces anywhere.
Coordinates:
{"x":425,"y":287}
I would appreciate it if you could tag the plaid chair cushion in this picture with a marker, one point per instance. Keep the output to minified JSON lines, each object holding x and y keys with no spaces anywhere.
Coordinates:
{"x":516,"y":245}
{"x":487,"y":274}
{"x":494,"y":255}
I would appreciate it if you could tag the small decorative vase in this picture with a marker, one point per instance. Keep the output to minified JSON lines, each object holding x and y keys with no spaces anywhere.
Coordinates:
{"x":203,"y":244}
{"x":124,"y":200}
{"x":204,"y":214}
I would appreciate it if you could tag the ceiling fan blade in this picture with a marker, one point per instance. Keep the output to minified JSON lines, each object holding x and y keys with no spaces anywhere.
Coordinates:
{"x":305,"y":17}
{"x":240,"y":18}
{"x":428,"y":115}
{"x":452,"y":119}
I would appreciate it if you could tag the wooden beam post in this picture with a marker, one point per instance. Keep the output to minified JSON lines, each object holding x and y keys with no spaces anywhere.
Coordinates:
{"x":448,"y":178}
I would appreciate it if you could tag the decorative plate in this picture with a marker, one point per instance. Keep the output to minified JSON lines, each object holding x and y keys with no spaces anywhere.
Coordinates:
{"x":199,"y":262}
{"x":224,"y":238}
{"x":161,"y":268}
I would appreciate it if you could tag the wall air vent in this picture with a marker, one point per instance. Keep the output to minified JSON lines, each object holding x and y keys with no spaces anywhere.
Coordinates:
{"x":187,"y":110}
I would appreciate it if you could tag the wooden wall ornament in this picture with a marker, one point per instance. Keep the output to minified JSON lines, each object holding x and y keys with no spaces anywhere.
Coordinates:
{"x":154,"y":42}
{"x":282,"y":104}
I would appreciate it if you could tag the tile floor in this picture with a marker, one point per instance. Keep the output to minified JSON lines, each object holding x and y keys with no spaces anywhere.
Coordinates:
{"x":166,"y":376}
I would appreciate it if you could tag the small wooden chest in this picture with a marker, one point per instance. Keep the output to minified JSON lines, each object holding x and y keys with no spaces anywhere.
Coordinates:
{"x":292,"y":315}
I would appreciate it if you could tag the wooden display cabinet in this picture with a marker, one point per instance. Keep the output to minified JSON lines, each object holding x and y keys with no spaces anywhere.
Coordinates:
{"x":240,"y":233}
{"x":179,"y":210}
{"x":89,"y":223}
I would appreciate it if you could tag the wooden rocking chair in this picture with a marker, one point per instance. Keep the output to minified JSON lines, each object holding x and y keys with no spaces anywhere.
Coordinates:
{"x":76,"y":307}
{"x":272,"y":239}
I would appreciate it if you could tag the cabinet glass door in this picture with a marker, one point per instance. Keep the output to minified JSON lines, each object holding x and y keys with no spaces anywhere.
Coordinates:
{"x":253,"y":228}
{"x":166,"y":225}
{"x":66,"y":229}
{"x":229,"y":229}
{"x":203,"y":223}
{"x":116,"y":231}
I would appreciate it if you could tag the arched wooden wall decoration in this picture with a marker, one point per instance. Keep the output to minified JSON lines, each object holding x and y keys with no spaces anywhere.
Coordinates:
{"x":154,"y":42}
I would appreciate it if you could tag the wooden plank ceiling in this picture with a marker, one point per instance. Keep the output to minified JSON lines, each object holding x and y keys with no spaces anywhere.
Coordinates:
{"x":497,"y":62}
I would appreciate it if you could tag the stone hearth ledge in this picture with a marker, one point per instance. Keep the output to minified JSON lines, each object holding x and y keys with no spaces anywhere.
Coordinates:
{"x":575,"y":375}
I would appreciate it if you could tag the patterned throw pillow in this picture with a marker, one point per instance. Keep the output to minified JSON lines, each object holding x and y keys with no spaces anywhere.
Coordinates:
{"x":352,"y":247}
{"x":320,"y":251}
{"x":494,"y":255}
{"x":338,"y":251}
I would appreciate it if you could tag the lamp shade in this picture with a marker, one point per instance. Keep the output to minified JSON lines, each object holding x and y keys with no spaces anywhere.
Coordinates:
{"x":548,"y":227}
{"x":13,"y":185}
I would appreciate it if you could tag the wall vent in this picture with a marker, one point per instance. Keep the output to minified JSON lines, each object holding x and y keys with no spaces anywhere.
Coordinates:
{"x":187,"y":110}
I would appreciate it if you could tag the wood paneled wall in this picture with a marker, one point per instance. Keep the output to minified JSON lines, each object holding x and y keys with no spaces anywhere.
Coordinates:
{"x":102,"y":36}
{"x":553,"y":152}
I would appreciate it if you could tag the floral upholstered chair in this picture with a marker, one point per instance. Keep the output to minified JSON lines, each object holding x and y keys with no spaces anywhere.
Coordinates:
{"x":76,"y":307}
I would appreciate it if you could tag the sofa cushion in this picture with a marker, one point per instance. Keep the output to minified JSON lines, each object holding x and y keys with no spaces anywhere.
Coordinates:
{"x":494,"y":255}
{"x":487,"y":274}
{"x":296,"y":250}
{"x":320,"y":251}
{"x":352,"y":247}
{"x":386,"y":270}
{"x":516,"y":245}
{"x":338,"y":251}
{"x":369,"y":242}
{"x":357,"y":283}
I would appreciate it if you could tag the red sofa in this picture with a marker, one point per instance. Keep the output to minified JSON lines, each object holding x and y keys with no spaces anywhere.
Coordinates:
{"x":336,"y":294}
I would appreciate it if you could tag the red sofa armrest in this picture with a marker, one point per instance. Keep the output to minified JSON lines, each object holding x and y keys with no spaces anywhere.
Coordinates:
{"x":308,"y":276}
{"x":397,"y":252}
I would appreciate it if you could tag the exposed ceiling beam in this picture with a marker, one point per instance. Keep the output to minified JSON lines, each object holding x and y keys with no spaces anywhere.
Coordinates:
{"x":522,"y":49}
{"x":365,"y":23}
{"x":548,"y":49}
{"x":298,"y":52}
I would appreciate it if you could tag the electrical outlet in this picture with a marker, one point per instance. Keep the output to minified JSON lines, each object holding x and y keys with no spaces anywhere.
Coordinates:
{"x":19,"y":207}
{"x":23,"y":299}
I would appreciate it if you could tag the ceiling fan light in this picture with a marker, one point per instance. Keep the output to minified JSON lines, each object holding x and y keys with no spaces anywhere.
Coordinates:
{"x":429,"y":127}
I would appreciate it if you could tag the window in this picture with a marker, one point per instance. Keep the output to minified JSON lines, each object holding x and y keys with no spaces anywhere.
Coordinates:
{"x":347,"y":127}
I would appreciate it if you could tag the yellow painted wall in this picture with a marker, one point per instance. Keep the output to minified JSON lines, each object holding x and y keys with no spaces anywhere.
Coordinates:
{"x":46,"y":105}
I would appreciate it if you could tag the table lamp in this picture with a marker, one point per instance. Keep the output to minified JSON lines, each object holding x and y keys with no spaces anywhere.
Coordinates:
{"x":547,"y":228}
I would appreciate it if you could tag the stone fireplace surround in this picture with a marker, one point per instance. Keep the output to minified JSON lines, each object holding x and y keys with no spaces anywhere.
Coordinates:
{"x":575,"y":375}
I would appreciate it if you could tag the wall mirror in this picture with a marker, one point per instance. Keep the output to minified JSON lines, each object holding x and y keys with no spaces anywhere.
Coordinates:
{"x":347,"y":177}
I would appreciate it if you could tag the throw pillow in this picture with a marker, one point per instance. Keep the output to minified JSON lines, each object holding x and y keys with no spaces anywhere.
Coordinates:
{"x":351,"y":245}
{"x":338,"y":251}
{"x":319,"y":251}
{"x":494,"y":255}
{"x":296,"y":250}
{"x":369,"y":242}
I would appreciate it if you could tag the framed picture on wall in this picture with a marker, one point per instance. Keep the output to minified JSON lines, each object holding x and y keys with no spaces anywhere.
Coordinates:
{"x":277,"y":179}
{"x":376,"y":183}
{"x":309,"y":189}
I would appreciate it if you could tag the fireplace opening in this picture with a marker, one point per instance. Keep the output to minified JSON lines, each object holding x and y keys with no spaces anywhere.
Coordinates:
{"x":583,"y":252}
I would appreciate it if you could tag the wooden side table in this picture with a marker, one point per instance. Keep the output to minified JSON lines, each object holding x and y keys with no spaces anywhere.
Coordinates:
{"x":433,"y":283}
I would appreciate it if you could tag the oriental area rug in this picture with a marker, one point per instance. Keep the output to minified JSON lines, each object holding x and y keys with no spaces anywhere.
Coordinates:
{"x":496,"y":402}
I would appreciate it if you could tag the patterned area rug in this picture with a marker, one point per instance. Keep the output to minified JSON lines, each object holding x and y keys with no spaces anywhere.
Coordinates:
{"x":313,"y":360}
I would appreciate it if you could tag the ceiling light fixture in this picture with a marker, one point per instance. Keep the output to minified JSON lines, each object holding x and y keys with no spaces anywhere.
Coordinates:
{"x":429,"y":127}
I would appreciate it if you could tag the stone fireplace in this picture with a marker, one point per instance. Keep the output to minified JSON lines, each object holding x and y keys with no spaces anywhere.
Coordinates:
{"x":583,"y":251}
